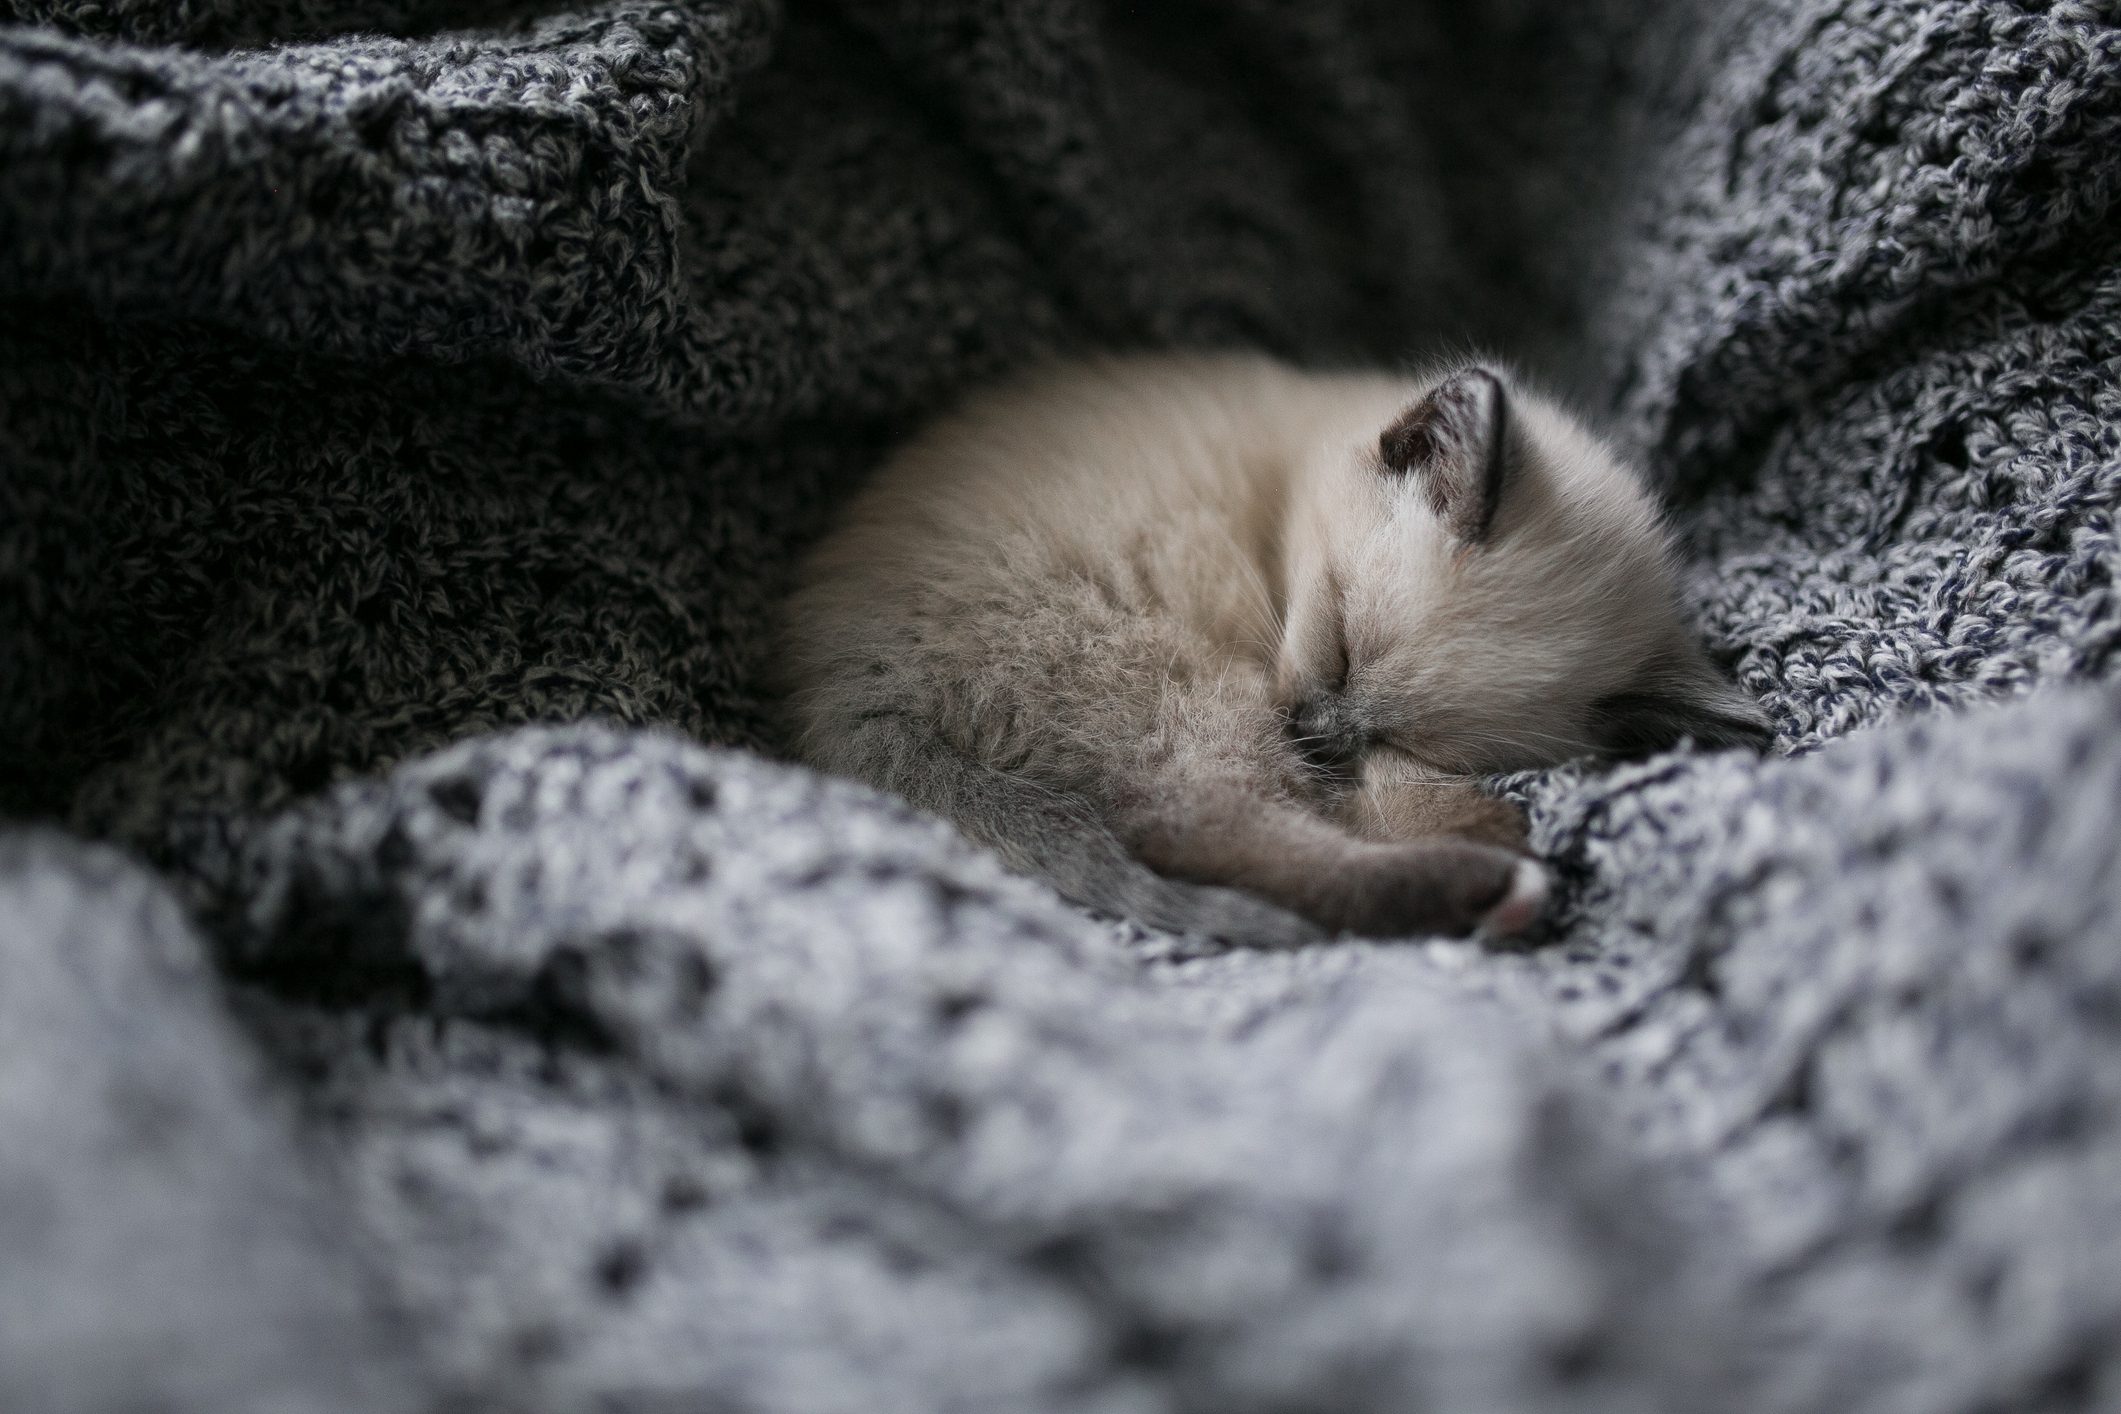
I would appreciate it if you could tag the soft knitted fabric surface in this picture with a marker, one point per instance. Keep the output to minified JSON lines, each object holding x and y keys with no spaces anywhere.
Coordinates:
{"x":421,"y":988}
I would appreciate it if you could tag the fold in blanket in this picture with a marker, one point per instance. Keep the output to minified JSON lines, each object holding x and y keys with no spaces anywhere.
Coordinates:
{"x":420,"y":988}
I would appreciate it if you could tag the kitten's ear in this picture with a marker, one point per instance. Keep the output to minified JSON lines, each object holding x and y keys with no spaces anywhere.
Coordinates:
{"x":1682,"y":697}
{"x":1452,"y":441}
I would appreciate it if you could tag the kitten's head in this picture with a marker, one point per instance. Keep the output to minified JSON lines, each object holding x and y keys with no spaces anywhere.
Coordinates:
{"x":1484,"y":586}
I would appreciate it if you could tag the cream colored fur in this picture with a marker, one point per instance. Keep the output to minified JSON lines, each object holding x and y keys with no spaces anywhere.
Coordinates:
{"x":1123,"y":584}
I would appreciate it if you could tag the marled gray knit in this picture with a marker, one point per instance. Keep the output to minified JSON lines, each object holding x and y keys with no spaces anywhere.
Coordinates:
{"x":407,"y":410}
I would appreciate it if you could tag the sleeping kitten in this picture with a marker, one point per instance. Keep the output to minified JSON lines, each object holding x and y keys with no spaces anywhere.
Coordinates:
{"x":1259,"y":630}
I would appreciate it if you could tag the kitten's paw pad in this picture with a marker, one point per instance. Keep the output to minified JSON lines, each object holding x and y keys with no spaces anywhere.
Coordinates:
{"x":1521,"y":904}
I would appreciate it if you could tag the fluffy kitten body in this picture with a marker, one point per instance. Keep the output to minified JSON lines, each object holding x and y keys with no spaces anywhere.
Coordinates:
{"x":1258,"y":630}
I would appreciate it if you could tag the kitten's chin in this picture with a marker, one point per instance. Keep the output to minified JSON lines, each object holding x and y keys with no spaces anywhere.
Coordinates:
{"x":1521,"y":905}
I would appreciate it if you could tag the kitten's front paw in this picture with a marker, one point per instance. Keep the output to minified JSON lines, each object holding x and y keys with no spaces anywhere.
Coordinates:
{"x":1447,"y":886}
{"x":1496,"y":822}
{"x":1416,"y":810}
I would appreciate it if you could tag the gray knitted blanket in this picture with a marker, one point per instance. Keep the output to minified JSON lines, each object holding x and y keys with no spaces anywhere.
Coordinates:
{"x":422,"y":988}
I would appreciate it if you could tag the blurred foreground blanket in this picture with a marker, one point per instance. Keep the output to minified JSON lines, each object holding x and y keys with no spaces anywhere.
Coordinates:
{"x":421,"y":988}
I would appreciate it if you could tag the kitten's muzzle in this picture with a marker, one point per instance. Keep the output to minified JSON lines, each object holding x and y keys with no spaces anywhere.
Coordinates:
{"x":1326,"y":734}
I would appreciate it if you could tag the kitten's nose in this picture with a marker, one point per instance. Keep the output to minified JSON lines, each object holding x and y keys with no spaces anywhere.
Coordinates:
{"x":1322,"y":732}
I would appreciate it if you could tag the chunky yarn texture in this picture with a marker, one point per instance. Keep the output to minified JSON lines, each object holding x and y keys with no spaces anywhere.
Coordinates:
{"x":422,"y":988}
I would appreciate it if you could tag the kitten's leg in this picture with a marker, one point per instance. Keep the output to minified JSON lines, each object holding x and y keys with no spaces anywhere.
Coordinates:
{"x":1396,"y":801}
{"x":1055,"y":835}
{"x":1229,"y":833}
